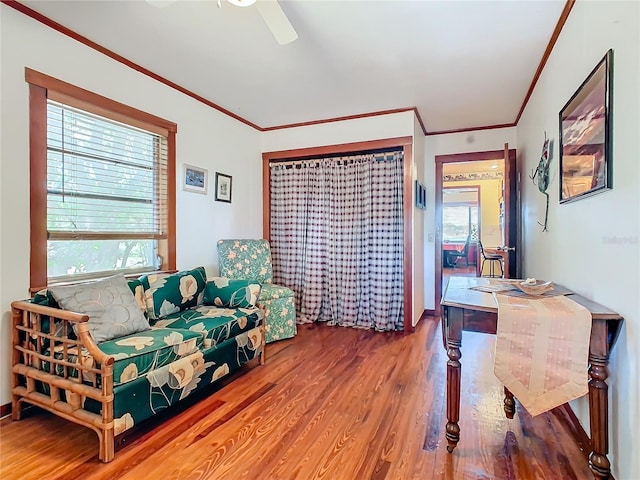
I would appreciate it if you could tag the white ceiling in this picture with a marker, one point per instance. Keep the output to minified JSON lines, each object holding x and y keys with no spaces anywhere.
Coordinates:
{"x":463,"y":64}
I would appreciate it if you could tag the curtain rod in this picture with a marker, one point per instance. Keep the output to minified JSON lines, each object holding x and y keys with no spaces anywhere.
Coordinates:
{"x":349,"y":157}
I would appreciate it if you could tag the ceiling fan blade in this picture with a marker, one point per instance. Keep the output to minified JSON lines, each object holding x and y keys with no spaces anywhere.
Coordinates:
{"x":277,"y":21}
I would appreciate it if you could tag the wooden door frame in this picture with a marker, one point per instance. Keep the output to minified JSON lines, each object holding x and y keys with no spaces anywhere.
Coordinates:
{"x":404,"y":143}
{"x":459,"y":158}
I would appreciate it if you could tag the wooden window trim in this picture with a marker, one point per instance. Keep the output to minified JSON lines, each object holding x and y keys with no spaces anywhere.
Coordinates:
{"x":38,"y":184}
{"x":42,"y":87}
{"x":94,"y":103}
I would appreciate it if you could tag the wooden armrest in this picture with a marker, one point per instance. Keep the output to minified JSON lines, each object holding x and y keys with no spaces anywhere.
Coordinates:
{"x":50,"y":311}
{"x":81,"y":324}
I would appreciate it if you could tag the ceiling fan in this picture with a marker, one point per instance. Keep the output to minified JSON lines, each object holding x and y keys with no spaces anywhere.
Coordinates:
{"x":269,"y":10}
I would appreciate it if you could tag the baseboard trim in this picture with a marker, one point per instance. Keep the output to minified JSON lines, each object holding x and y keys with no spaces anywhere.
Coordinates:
{"x":425,"y":314}
{"x":428,"y":313}
{"x":5,"y":410}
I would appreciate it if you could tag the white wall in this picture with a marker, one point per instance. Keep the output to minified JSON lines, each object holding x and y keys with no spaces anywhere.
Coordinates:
{"x":419,"y":238}
{"x":205,"y":138}
{"x":592,"y":244}
{"x":445,"y":144}
{"x":335,"y":133}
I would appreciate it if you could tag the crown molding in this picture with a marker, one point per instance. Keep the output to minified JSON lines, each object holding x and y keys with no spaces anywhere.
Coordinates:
{"x":472,"y":129}
{"x":16,"y":5}
{"x":350,"y":117}
{"x":545,"y":56}
{"x":29,"y":12}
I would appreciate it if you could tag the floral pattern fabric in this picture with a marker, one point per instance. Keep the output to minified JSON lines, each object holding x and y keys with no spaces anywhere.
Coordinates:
{"x":182,"y":352}
{"x":252,"y":259}
{"x":215,"y":324}
{"x":137,"y":289}
{"x":229,"y":293}
{"x":171,"y":383}
{"x":139,"y":353}
{"x":44,"y":297}
{"x":167,"y":294}
{"x":245,"y":259}
{"x":280,"y":318}
{"x":270,"y":291}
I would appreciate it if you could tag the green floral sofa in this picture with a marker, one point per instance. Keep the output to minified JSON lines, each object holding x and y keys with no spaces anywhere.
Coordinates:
{"x":113,"y":353}
{"x":251,"y":259}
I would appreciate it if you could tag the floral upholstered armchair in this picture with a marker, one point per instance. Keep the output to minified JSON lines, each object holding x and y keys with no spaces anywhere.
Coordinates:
{"x":251,"y":259}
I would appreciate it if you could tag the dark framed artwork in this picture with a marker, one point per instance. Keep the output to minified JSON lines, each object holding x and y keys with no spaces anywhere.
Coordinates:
{"x":586,"y":134}
{"x":223,"y":187}
{"x":421,"y":196}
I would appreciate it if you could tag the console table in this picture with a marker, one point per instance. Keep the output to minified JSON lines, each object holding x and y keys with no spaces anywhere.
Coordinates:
{"x":476,"y":311}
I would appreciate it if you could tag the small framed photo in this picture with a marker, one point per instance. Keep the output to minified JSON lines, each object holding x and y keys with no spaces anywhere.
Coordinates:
{"x":196,"y":179}
{"x":223,"y":187}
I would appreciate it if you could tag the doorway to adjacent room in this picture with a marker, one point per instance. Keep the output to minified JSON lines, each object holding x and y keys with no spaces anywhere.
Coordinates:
{"x":476,"y":215}
{"x":461,"y":229}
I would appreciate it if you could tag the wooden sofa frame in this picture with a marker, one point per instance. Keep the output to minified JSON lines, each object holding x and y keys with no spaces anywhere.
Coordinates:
{"x":34,"y":359}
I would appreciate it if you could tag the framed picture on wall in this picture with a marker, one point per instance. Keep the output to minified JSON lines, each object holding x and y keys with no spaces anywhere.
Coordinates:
{"x":421,"y":196}
{"x":585,"y":135}
{"x":223,"y":187}
{"x":195,"y":179}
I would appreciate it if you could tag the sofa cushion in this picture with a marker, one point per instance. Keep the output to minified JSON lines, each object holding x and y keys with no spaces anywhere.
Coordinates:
{"x":143,"y":397}
{"x":166,"y":294}
{"x":109,"y":303}
{"x":139,"y":353}
{"x":225,"y":292}
{"x":214,"y":323}
{"x":44,"y":297}
{"x":136,"y":287}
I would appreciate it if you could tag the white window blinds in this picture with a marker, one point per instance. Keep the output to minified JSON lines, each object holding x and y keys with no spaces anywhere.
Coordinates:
{"x":106,"y":185}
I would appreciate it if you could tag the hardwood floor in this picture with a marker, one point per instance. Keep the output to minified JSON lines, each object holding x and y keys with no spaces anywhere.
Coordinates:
{"x":332,"y":403}
{"x":469,"y":271}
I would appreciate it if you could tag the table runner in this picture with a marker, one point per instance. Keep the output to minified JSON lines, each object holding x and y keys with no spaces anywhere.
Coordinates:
{"x":542,"y":350}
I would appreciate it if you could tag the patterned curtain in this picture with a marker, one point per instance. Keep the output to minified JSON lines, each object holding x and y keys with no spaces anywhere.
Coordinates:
{"x":337,"y":238}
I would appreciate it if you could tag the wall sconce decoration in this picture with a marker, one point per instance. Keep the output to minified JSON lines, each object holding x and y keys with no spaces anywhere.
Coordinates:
{"x":540,"y":177}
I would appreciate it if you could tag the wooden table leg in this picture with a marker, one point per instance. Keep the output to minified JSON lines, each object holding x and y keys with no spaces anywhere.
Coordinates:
{"x":453,"y":323}
{"x":599,"y":400}
{"x":598,"y":416}
{"x":509,"y":403}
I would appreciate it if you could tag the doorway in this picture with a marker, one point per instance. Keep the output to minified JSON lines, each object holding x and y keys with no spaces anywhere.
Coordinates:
{"x":461,"y":229}
{"x":496,"y":224}
{"x":402,"y":143}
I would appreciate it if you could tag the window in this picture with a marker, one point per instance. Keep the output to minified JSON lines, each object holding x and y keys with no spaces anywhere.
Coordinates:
{"x":458,"y":222}
{"x":102,"y":186}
